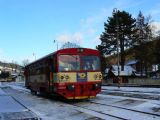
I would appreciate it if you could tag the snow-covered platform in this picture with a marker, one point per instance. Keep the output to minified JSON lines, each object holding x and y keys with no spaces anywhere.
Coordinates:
{"x":11,"y":109}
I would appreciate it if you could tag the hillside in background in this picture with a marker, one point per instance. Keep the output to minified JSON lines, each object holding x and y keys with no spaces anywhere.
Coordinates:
{"x":10,"y":65}
{"x":148,"y":52}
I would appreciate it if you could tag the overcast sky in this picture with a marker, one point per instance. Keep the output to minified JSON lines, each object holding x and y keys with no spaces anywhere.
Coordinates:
{"x":31,"y":26}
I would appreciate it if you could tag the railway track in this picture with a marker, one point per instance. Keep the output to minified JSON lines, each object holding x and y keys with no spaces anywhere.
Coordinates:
{"x":115,"y":112}
{"x":99,"y":114}
{"x":143,"y":95}
{"x":132,"y":91}
{"x":119,"y":107}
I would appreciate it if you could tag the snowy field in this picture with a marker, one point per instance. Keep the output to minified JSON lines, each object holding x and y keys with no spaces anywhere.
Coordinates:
{"x":133,"y":89}
{"x":113,"y":103}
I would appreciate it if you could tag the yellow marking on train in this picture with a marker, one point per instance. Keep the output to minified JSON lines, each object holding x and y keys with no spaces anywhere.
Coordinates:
{"x":61,"y":77}
{"x":72,"y":76}
{"x":94,"y":76}
{"x":81,"y":97}
{"x":82,"y":75}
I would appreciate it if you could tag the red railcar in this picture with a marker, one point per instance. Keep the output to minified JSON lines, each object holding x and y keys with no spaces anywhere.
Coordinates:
{"x":73,"y":73}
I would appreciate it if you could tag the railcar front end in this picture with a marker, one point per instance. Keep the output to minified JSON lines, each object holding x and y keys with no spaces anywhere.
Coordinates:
{"x":78,"y":76}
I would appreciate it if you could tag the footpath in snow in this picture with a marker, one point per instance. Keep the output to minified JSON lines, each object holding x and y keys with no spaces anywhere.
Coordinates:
{"x":12,"y":109}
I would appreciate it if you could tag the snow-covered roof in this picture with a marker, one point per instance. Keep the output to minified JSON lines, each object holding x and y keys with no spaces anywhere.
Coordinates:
{"x":131,"y":62}
{"x":139,"y":74}
{"x":106,"y":70}
{"x":128,"y":70}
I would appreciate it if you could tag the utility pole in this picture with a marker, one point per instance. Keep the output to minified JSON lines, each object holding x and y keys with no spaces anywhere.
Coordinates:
{"x":34,"y":55}
{"x":115,"y":11}
{"x":54,"y":41}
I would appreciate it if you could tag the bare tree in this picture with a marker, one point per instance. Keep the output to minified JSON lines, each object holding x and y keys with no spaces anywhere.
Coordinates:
{"x":70,"y":45}
{"x":25,"y":62}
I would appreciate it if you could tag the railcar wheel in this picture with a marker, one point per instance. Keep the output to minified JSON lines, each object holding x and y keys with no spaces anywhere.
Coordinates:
{"x":43,"y":92}
{"x":33,"y":92}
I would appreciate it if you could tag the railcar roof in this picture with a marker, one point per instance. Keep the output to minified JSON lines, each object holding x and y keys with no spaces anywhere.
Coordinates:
{"x":58,"y":51}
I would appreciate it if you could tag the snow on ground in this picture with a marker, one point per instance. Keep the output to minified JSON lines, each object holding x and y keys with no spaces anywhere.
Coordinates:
{"x":139,"y":104}
{"x":2,"y":92}
{"x":47,"y":108}
{"x":8,"y":104}
{"x":123,"y":113}
{"x":133,"y":89}
{"x":51,"y":109}
{"x":143,"y":105}
{"x":19,"y":87}
{"x":12,"y":109}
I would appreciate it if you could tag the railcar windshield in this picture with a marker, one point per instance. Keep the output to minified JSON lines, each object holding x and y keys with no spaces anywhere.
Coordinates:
{"x":69,"y":63}
{"x":77,"y":63}
{"x":90,"y":63}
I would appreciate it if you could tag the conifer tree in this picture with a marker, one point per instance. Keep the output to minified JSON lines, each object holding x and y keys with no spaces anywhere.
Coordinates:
{"x":120,"y":26}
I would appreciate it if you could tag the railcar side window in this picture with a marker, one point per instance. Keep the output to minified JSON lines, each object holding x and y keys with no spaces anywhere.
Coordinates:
{"x":69,"y":63}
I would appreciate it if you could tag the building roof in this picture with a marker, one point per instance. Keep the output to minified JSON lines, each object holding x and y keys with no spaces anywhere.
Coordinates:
{"x":131,"y":62}
{"x":128,"y":70}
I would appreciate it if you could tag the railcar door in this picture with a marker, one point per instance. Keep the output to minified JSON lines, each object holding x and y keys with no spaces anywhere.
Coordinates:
{"x":52,"y":69}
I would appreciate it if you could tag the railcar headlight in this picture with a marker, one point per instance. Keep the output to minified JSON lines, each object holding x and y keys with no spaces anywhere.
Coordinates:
{"x":73,"y":86}
{"x":100,"y":76}
{"x":96,"y":86}
{"x":97,"y":76}
{"x":67,"y":77}
{"x":62,"y":77}
{"x":70,"y":87}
